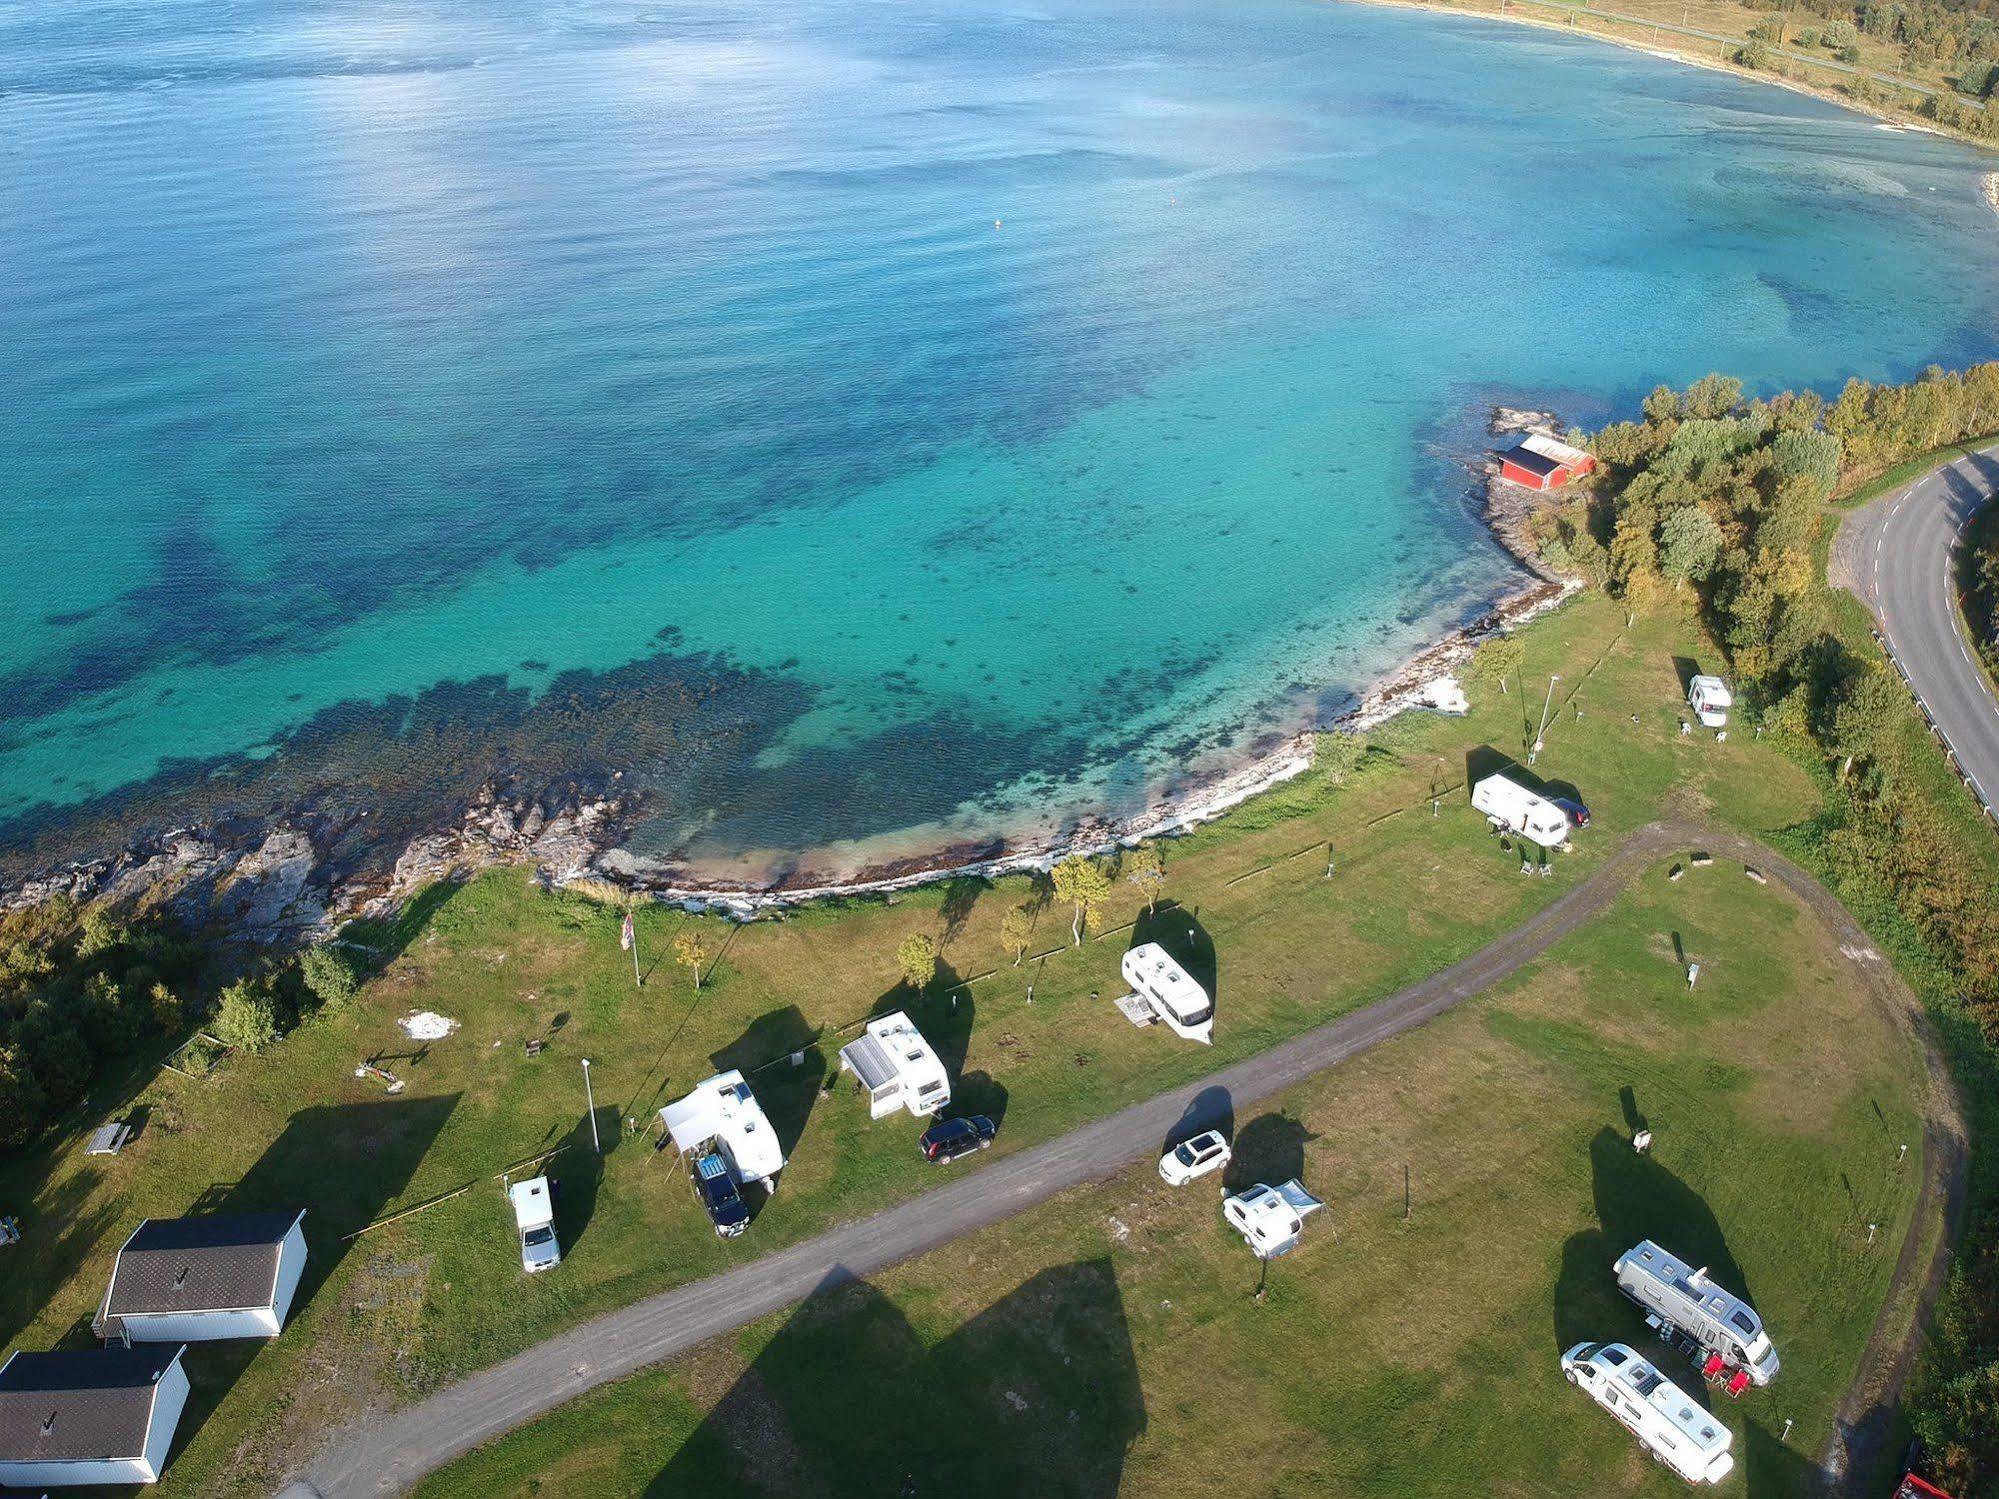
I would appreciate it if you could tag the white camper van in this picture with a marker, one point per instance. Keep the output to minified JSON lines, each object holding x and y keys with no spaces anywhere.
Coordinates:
{"x":1512,"y":808}
{"x":1710,"y":699}
{"x":1687,"y":1301}
{"x":722,"y":1112}
{"x":1665,"y":1419}
{"x":1172,"y":992}
{"x":534,"y":1220}
{"x":898,"y":1067}
{"x":1271,"y":1220}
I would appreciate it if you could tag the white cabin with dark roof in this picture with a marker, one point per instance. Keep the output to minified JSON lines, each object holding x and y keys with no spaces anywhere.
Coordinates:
{"x":196,"y":1280}
{"x":94,"y":1416}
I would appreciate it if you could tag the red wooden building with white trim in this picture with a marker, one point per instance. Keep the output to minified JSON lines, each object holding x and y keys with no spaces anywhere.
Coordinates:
{"x":1542,"y":462}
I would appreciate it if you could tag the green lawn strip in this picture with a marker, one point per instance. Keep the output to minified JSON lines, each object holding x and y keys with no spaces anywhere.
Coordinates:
{"x":1110,"y":1335}
{"x":436,"y":1294}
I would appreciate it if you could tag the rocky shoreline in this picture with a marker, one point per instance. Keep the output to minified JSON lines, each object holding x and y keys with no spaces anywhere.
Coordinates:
{"x":276,"y":882}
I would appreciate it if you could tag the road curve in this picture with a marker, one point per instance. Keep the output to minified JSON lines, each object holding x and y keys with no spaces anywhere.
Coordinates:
{"x":389,"y":1454}
{"x":1898,"y":555}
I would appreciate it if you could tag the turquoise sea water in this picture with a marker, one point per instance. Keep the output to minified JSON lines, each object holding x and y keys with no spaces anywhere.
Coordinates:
{"x":856,"y":424}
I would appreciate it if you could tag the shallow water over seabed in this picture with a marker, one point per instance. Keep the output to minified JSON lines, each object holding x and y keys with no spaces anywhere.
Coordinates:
{"x":858,"y":425}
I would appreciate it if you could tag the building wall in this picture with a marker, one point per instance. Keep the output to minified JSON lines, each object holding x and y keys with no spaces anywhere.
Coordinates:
{"x":169,"y":1400}
{"x":200,"y":1327}
{"x":69,"y":1475}
{"x":291,"y":1268}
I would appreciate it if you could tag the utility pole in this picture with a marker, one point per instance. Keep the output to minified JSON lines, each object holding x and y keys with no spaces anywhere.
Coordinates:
{"x":1539,"y":742}
{"x":590,"y":1098}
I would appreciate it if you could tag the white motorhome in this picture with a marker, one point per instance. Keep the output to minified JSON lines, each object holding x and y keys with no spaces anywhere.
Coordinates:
{"x":1668,"y":1422}
{"x":722,"y":1112}
{"x":1512,"y":808}
{"x":1710,"y":699}
{"x":534,"y":1220}
{"x":1172,"y":992}
{"x":899,"y":1069}
{"x":1686,"y":1300}
{"x":1270,"y":1219}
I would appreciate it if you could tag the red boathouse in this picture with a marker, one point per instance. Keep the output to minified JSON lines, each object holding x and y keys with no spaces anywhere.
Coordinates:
{"x":1540,"y":462}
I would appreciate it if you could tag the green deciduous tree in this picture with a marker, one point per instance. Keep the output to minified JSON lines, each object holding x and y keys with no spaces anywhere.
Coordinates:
{"x":327,"y":975}
{"x":1145,"y":867}
{"x":246,"y":1018}
{"x":691,"y":953}
{"x":1081,"y":883}
{"x":1689,"y":545}
{"x":916,"y":956}
{"x":1016,"y":931}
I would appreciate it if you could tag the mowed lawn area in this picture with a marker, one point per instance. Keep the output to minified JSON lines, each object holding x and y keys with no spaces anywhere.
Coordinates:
{"x":1109,"y":1341}
{"x":406,"y":1305}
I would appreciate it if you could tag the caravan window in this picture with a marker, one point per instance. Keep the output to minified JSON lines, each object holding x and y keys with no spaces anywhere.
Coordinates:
{"x":1614,"y":1356}
{"x":928,"y":1088}
{"x":1744,"y":1322}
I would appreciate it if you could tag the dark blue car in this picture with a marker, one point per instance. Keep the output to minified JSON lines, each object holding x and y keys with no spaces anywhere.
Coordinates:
{"x":716,"y":1185}
{"x":948,"y":1139}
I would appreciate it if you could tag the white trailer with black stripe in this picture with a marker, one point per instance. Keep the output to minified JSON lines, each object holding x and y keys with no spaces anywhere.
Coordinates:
{"x":1686,"y":1301}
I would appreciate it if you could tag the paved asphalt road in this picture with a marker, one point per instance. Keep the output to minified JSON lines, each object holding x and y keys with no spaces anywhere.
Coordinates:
{"x":1896,"y":554}
{"x":389,"y":1454}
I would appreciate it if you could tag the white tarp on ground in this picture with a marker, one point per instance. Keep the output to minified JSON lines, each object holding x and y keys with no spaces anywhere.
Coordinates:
{"x":427,"y":1025}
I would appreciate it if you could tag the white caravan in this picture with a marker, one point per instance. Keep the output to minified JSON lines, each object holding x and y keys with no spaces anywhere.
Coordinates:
{"x":1665,"y":1419}
{"x":1710,"y":699}
{"x":1686,"y":1300}
{"x":1512,"y":808}
{"x":724,"y":1113}
{"x":1172,"y":993}
{"x":1270,"y":1219}
{"x":897,"y":1067}
{"x":534,"y":1220}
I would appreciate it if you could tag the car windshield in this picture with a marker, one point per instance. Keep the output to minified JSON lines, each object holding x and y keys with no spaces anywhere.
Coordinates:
{"x":1186,"y":1155}
{"x":536,"y":1237}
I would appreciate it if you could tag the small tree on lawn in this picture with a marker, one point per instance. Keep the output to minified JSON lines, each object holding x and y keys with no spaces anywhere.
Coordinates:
{"x":1339,"y":756}
{"x":917,"y":957}
{"x":691,"y":953}
{"x":1016,"y":932}
{"x":1497,"y":659}
{"x":1145,"y":867}
{"x":328,"y":975}
{"x":1083,"y":884}
{"x":246,"y":1019}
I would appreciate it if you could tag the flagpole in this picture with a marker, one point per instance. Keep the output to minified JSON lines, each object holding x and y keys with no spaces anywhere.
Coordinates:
{"x":633,"y":927}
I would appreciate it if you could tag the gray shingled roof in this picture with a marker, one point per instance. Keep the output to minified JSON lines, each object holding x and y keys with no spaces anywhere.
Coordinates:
{"x":75,"y":1407}
{"x":225,"y":1262}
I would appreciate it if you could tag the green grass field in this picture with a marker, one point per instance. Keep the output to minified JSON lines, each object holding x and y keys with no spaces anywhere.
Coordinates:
{"x":393,"y":1310}
{"x":1108,"y":1341}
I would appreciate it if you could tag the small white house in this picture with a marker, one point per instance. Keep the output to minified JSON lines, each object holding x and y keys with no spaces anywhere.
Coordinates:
{"x":897,"y":1067}
{"x":1666,"y":1420}
{"x":1172,"y":992}
{"x":95,"y":1416}
{"x":1271,"y":1220}
{"x":722,"y":1112}
{"x":1710,"y":699}
{"x":1684,"y":1298}
{"x":196,"y":1280}
{"x":1512,"y":808}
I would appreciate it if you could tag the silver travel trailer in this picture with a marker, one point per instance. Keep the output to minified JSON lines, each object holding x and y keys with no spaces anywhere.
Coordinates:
{"x":1667,"y":1422}
{"x":1686,"y":1301}
{"x":1710,"y":699}
{"x":1173,"y":993}
{"x":1512,"y":808}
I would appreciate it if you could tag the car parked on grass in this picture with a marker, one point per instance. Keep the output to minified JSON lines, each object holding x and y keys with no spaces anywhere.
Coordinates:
{"x":716,"y":1186}
{"x":948,"y":1139}
{"x":1195,"y":1157}
{"x":1578,"y":813}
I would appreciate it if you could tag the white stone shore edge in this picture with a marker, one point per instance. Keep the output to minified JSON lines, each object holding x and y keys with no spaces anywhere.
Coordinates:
{"x":1397,"y":692}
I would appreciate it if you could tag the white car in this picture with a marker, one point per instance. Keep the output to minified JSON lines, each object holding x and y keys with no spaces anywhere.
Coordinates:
{"x":1195,"y":1157}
